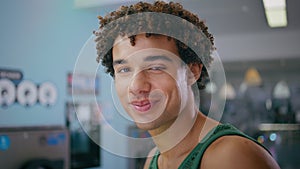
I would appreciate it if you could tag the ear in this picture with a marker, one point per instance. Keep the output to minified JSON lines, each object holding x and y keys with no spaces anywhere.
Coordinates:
{"x":194,"y":72}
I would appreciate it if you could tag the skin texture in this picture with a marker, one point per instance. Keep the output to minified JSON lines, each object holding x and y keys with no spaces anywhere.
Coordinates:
{"x":137,"y":82}
{"x":237,"y":152}
{"x":151,"y":94}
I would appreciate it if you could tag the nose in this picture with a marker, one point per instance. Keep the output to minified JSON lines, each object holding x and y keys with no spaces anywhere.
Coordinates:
{"x":140,"y":84}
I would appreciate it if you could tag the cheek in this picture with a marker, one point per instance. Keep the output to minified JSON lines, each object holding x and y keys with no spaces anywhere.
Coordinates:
{"x":174,"y":91}
{"x":169,"y":88}
{"x":173,"y":101}
{"x":176,"y":95}
{"x":121,"y":89}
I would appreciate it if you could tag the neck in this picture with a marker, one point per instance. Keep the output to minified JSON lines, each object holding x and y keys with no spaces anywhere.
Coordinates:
{"x":177,"y":139}
{"x":178,"y":130}
{"x":174,"y":150}
{"x":172,"y":157}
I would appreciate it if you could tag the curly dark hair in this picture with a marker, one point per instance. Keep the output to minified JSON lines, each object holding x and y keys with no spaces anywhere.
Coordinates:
{"x":190,"y":45}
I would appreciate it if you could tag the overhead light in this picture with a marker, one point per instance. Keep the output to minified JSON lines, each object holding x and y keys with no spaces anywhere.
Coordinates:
{"x":276,"y":13}
{"x":252,"y":77}
{"x":227,"y":92}
{"x":281,"y":90}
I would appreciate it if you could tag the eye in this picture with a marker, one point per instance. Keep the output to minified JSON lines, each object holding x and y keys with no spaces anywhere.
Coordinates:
{"x":157,"y":68}
{"x":123,"y":70}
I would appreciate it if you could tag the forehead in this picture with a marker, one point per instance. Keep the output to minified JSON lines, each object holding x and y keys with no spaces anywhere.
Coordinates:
{"x":123,"y":48}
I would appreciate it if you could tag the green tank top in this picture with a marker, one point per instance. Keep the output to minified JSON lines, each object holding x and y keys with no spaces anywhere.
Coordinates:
{"x":193,"y":160}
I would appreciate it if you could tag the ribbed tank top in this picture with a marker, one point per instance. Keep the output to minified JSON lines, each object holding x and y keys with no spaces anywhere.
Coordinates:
{"x":193,"y":160}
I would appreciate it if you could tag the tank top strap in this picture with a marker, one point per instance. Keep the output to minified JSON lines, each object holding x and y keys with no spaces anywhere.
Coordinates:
{"x":193,"y":160}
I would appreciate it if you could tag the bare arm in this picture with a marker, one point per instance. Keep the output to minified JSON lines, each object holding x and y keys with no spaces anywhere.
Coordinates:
{"x":234,"y":152}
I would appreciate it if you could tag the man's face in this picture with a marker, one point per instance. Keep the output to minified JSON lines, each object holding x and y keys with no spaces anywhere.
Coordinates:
{"x":150,"y":80}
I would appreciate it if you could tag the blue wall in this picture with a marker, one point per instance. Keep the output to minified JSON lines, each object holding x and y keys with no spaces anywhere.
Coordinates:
{"x":43,"y":38}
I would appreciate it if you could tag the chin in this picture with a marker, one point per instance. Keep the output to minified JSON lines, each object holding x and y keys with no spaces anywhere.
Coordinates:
{"x":145,"y":126}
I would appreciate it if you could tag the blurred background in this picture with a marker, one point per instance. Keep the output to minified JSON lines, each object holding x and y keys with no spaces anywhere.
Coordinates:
{"x":258,"y":45}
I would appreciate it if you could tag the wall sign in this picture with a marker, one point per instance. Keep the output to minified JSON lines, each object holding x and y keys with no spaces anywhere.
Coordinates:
{"x":7,"y":92}
{"x":14,"y":75}
{"x":47,"y":94}
{"x":27,"y":93}
{"x":14,"y":89}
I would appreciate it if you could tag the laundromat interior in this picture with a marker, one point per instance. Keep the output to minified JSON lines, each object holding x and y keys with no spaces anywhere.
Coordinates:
{"x":57,"y":106}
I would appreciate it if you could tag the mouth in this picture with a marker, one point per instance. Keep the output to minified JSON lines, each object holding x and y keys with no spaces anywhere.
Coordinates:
{"x":141,"y":106}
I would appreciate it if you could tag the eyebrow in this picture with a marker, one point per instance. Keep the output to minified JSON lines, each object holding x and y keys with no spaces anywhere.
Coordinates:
{"x":119,"y":61}
{"x":159,"y":57}
{"x":147,"y":59}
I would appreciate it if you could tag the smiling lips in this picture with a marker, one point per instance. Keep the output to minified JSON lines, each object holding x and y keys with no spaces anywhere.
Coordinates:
{"x":141,"y":106}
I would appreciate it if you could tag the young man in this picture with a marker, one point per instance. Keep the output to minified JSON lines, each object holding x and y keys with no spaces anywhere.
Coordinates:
{"x":154,"y":71}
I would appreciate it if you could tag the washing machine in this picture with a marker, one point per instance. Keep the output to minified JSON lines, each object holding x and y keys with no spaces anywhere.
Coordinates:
{"x":34,"y":147}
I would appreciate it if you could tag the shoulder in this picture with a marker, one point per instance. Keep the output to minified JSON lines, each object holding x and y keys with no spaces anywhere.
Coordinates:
{"x":149,"y":158}
{"x":235,"y":152}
